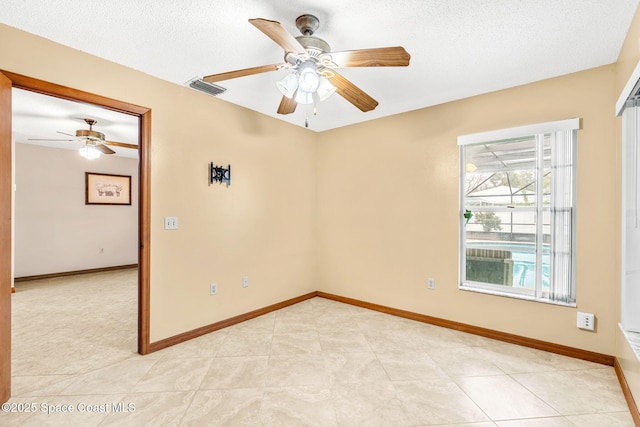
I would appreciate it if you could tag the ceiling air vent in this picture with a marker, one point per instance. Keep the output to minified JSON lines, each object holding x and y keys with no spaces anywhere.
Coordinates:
{"x":210,"y":88}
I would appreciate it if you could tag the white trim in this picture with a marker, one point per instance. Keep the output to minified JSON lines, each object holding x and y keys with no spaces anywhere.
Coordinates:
{"x":520,"y":131}
{"x":633,"y":339}
{"x":624,"y":95}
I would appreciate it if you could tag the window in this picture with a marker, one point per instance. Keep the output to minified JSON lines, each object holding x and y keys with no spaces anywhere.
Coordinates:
{"x":517,"y":220}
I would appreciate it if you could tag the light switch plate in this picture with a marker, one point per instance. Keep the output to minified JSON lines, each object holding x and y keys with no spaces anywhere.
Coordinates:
{"x":170,"y":222}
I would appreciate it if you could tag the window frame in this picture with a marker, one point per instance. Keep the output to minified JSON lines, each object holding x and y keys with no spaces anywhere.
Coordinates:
{"x":537,"y":131}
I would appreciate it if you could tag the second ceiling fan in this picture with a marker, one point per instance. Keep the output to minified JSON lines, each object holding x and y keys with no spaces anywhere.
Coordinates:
{"x":94,"y":141}
{"x":314,"y":77}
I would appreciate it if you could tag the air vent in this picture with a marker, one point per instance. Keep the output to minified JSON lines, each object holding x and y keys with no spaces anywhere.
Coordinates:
{"x":205,"y":87}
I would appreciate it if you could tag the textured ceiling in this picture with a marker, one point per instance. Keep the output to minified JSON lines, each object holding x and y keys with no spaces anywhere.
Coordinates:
{"x":459,"y":48}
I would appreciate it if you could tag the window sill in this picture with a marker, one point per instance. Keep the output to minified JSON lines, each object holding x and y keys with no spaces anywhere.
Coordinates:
{"x":464,"y":287}
{"x":633,"y":338}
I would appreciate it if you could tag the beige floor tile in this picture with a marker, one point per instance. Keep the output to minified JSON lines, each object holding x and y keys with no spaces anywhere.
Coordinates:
{"x":151,"y":409}
{"x":437,"y":402}
{"x":322,"y":307}
{"x":538,"y":422}
{"x":24,"y":385}
{"x":317,"y":363}
{"x":612,"y":419}
{"x":173,"y":375}
{"x":297,"y":370}
{"x":502,"y":398}
{"x":327,"y":322}
{"x":239,"y":407}
{"x":577,"y":392}
{"x":514,"y":359}
{"x":118,"y":378}
{"x":463,"y":362}
{"x":236,"y":372}
{"x":354,"y":368}
{"x":296,"y":343}
{"x":374,"y":404}
{"x":86,"y":410}
{"x":244,"y":344}
{"x":298,"y":406}
{"x":484,"y":424}
{"x":341,"y":341}
{"x":293,"y":322}
{"x":410,"y":365}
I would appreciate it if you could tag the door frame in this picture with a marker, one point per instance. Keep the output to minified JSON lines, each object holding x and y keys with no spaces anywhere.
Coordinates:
{"x":10,"y":80}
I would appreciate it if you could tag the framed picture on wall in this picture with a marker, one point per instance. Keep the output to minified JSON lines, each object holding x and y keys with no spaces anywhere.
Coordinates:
{"x":107,"y":189}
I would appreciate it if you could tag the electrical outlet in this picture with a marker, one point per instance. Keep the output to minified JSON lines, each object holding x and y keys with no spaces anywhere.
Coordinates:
{"x":170,"y":222}
{"x":213,"y":289}
{"x":586,"y":321}
{"x":245,"y":281}
{"x":431,"y":283}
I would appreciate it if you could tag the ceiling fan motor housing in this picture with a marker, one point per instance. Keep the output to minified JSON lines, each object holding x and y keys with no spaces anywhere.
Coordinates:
{"x":314,"y":45}
{"x":90,"y":134}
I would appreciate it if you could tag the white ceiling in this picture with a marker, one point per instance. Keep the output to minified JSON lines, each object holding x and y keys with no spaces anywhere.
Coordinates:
{"x":459,"y":48}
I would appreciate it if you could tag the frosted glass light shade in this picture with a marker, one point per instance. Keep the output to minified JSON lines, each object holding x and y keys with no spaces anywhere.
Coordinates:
{"x":89,"y":152}
{"x":288,"y":85}
{"x":326,"y":89}
{"x":304,"y":97}
{"x":309,"y":80}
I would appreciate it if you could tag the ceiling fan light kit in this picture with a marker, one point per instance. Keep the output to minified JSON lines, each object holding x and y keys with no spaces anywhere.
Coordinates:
{"x":314,"y":78}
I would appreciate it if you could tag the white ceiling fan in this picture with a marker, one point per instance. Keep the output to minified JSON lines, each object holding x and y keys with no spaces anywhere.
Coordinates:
{"x":95,"y":142}
{"x":314,"y":76}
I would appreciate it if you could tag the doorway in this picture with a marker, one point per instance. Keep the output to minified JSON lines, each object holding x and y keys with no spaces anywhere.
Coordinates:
{"x":8,"y":81}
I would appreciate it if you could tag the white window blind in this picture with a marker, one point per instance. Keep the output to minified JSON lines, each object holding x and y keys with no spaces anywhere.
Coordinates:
{"x":630,"y":216}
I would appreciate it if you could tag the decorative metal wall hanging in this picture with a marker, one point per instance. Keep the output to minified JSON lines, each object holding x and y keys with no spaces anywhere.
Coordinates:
{"x":219,"y":174}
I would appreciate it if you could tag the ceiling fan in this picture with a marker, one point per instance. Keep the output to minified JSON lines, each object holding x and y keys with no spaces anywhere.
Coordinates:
{"x":94,"y":141}
{"x":314,"y":78}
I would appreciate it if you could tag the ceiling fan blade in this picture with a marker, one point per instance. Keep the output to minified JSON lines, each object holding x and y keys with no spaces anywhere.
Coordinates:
{"x":64,"y":133}
{"x":104,"y":149}
{"x":376,"y":57}
{"x":353,"y":93}
{"x":240,"y":73}
{"x":276,"y":32}
{"x":121,"y":144}
{"x":49,"y":139}
{"x":287,"y":105}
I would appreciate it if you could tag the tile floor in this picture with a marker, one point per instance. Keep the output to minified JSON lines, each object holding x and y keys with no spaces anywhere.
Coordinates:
{"x":317,"y":363}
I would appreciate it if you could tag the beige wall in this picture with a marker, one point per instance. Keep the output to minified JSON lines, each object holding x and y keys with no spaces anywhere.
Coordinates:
{"x":390,"y":207}
{"x":55,"y":231}
{"x":262,"y":226}
{"x":627,"y":61}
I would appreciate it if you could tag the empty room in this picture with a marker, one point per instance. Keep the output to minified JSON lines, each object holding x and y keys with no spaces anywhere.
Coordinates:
{"x":294,"y":213}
